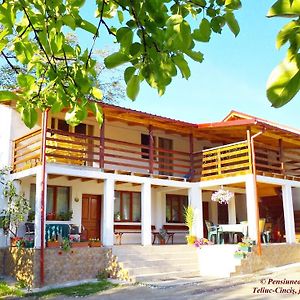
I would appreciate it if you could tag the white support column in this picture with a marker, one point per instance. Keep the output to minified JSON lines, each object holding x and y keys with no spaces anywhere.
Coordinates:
{"x":288,"y":211}
{"x":232,"y":211}
{"x":160,"y":211}
{"x":195,"y":200}
{"x":251,"y":207}
{"x":108,"y":212}
{"x":146,"y":213}
{"x":213,"y":212}
{"x":38,"y":205}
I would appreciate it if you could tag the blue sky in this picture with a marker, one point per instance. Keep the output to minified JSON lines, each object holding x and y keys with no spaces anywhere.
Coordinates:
{"x":232,"y":76}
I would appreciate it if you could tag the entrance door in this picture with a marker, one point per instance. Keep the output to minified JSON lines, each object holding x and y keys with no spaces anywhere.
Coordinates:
{"x":91,"y":212}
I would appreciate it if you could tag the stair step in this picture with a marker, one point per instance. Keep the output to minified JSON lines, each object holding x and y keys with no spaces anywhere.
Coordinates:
{"x":157,"y":269}
{"x":139,"y":263}
{"x":149,"y":257}
{"x":154,"y":249}
{"x":167,"y":276}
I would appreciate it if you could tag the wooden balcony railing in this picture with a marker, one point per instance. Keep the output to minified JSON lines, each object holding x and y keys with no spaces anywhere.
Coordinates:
{"x":229,"y":160}
{"x":27,"y":151}
{"x":272,"y":161}
{"x":110,"y":154}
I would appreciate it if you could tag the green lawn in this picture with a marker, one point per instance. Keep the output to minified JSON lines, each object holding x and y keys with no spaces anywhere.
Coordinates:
{"x":79,"y":290}
{"x":6,"y":290}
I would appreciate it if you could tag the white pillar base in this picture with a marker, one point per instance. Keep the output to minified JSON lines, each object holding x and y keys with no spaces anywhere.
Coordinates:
{"x":38,"y":202}
{"x":108,"y":213}
{"x":251,"y":207}
{"x":146,"y":234}
{"x":195,"y":200}
{"x":288,"y":211}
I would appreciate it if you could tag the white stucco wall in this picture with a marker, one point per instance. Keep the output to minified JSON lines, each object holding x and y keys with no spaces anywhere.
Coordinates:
{"x":296,"y":198}
{"x":241,"y":207}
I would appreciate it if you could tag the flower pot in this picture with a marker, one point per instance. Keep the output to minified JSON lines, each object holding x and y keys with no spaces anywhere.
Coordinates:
{"x":95,"y":244}
{"x":79,"y":244}
{"x":51,"y":217}
{"x":29,"y":244}
{"x":190,"y":239}
{"x":245,"y":248}
{"x":162,"y":242}
{"x":53,"y":244}
{"x":16,"y":241}
{"x":239,"y":255}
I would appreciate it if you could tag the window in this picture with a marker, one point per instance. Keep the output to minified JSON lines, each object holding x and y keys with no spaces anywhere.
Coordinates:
{"x":57,"y":199}
{"x":175,"y":205}
{"x":127,"y":206}
{"x":145,"y":141}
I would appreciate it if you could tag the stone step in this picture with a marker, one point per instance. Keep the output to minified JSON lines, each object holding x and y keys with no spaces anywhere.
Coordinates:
{"x":157,"y":269}
{"x":149,"y":257}
{"x":166,"y":276}
{"x":154,"y":249}
{"x":139,"y":263}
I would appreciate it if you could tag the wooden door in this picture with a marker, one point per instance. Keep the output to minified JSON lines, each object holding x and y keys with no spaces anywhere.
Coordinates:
{"x":91,"y":212}
{"x":165,"y":158}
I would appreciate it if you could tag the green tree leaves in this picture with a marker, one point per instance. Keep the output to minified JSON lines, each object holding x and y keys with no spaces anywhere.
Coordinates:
{"x":156,"y":40}
{"x":115,"y":59}
{"x":284,"y":81}
{"x":285,"y":8}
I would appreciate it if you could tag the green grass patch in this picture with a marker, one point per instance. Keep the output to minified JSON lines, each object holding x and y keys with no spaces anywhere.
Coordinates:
{"x":7,"y":290}
{"x":75,"y":291}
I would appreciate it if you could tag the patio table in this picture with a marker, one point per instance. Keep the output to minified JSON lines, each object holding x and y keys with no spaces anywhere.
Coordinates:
{"x":234,"y":228}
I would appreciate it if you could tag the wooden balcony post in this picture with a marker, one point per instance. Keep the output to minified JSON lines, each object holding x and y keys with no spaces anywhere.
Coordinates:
{"x":219,"y":161}
{"x":249,"y":150}
{"x":151,"y":145}
{"x":102,"y":144}
{"x":281,"y":157}
{"x":192,"y":171}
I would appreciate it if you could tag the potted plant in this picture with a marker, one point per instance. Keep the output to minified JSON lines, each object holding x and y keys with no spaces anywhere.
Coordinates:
{"x":31,"y":216}
{"x":189,"y":221}
{"x":80,"y":244}
{"x":65,"y":216}
{"x":28,"y":242}
{"x":53,"y":242}
{"x":95,"y":243}
{"x":244,"y":247}
{"x":222,"y":196}
{"x":239,"y":254}
{"x":246,"y":244}
{"x":17,"y":207}
{"x":200,"y":242}
{"x":51,"y":216}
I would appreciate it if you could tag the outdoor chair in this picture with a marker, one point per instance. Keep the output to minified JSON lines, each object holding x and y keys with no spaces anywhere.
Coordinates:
{"x":213,"y":232}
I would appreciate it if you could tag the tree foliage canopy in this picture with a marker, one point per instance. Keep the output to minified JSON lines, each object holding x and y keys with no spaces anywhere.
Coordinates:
{"x":156,"y":38}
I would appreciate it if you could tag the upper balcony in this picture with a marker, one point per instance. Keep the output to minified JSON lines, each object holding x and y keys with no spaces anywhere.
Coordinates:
{"x":127,"y":157}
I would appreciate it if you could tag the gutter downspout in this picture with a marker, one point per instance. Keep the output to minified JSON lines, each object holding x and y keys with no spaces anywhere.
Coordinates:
{"x":259,"y":250}
{"x":43,"y":161}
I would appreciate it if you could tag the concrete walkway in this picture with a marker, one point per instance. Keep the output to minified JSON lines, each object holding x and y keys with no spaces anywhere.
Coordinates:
{"x":268,"y":284}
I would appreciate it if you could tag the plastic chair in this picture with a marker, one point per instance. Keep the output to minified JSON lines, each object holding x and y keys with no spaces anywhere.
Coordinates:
{"x":212,"y":232}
